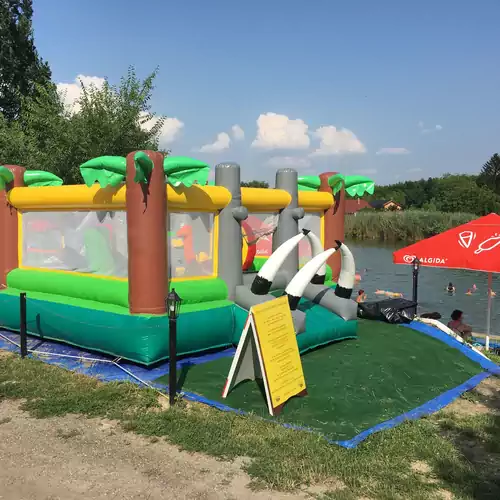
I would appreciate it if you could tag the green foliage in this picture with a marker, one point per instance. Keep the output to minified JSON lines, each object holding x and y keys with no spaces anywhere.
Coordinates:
{"x":111,"y":121}
{"x":490,"y":174}
{"x":21,"y":69}
{"x":450,"y":193}
{"x":255,"y":184}
{"x":407,"y":225}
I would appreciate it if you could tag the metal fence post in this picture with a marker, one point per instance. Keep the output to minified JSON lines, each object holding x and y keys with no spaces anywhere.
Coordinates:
{"x":22,"y":325}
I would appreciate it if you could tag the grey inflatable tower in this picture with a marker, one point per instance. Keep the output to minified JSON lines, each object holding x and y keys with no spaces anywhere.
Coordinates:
{"x":288,"y":223}
{"x":230,"y":217}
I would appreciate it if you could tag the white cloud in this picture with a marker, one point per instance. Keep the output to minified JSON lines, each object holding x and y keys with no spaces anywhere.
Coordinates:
{"x":288,"y":162}
{"x":424,"y":130}
{"x":71,"y":92}
{"x":222,"y":142}
{"x":276,"y":131}
{"x":238,"y":133}
{"x":334,"y":141}
{"x":169,"y":132}
{"x":392,"y":151}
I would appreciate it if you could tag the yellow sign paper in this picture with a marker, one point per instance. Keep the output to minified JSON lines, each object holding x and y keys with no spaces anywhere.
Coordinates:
{"x":279,"y":350}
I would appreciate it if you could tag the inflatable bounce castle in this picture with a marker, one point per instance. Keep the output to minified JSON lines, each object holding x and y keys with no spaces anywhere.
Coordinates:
{"x":97,"y":260}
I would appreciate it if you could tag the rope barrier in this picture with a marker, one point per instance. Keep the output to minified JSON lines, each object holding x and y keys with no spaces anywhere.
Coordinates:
{"x":93,"y":360}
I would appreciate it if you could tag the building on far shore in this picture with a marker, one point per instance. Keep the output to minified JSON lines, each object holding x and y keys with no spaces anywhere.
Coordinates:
{"x":354,"y":206}
{"x":385,"y":205}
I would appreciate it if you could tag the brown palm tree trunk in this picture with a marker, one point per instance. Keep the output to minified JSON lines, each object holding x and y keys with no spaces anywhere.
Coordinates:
{"x":147,"y":238}
{"x":9,"y":234}
{"x":334,"y":223}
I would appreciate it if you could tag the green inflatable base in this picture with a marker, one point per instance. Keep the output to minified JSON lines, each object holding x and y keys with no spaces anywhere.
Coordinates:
{"x":110,"y":329}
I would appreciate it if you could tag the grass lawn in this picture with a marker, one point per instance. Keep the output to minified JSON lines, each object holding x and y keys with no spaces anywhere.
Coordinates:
{"x":453,"y":451}
{"x":352,"y":385}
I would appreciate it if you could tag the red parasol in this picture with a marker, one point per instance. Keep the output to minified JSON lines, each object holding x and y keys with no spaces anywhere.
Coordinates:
{"x":473,"y":246}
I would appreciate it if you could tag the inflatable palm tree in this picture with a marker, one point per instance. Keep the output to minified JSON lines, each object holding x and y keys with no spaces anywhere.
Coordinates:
{"x":111,"y":170}
{"x":339,"y":185}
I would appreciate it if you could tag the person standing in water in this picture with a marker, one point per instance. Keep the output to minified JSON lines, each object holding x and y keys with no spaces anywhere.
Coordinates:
{"x":450,"y":288}
{"x":361,"y":296}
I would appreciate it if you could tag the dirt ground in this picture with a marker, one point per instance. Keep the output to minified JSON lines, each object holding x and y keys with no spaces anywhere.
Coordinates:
{"x":77,"y":458}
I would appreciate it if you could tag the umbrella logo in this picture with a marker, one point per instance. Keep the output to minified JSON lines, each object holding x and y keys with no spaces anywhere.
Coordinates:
{"x":408,"y":259}
{"x":493,"y":242}
{"x":465,"y":238}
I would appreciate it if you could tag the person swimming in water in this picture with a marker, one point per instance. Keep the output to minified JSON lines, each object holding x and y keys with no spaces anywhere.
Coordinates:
{"x":450,"y":288}
{"x":474,"y":287}
{"x":468,"y":292}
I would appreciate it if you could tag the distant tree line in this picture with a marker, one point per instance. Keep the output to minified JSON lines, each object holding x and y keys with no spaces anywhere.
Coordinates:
{"x":476,"y":194}
{"x":473,"y":194}
{"x":255,"y":184}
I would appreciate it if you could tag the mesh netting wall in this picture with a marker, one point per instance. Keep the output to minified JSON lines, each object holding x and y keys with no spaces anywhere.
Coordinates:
{"x":190,"y":244}
{"x":85,"y":242}
{"x":264,"y":224}
{"x":262,"y":227}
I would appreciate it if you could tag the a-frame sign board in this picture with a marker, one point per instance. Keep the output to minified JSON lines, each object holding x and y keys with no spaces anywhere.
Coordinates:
{"x":268,"y":350}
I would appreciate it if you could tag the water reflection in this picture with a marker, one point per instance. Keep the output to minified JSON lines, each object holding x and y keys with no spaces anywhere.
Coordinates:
{"x":382,"y":274}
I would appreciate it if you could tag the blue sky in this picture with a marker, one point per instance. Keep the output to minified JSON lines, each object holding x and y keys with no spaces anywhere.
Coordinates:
{"x":391,"y":89}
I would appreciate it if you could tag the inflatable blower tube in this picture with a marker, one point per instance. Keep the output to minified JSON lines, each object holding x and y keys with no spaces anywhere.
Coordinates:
{"x":347,"y":275}
{"x":297,"y":285}
{"x":264,"y":279}
{"x":317,"y":249}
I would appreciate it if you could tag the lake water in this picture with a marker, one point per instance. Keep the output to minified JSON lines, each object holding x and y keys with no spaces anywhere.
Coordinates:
{"x":382,"y":274}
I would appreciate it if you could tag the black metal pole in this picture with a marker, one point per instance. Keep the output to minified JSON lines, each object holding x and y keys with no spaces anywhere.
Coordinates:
{"x":415,"y":287}
{"x":172,"y":370}
{"x":22,"y":325}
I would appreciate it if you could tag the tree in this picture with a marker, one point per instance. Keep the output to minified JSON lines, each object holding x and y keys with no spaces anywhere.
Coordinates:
{"x":460,"y":193}
{"x":39,"y":136}
{"x":255,"y":184}
{"x":490,"y":174}
{"x":449,"y":193}
{"x":114,"y":120}
{"x":21,"y":69}
{"x":110,"y":121}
